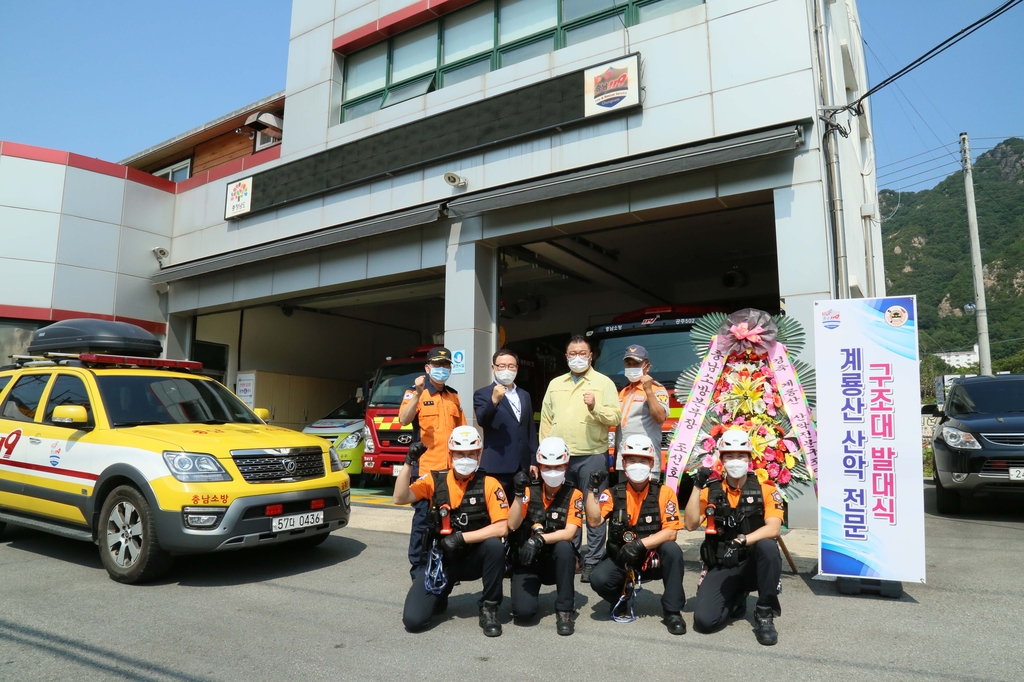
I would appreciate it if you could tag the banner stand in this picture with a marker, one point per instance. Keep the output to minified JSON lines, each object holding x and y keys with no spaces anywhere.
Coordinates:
{"x":883,"y":588}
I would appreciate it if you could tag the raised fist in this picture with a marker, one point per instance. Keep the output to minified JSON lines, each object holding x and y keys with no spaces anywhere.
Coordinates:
{"x":530,"y":549}
{"x":632,"y":553}
{"x":519,"y":482}
{"x":416,"y":451}
{"x":453,"y":542}
{"x":588,"y":400}
{"x":420,"y":383}
{"x":700,"y":479}
{"x":596,"y":479}
{"x":498,"y":393}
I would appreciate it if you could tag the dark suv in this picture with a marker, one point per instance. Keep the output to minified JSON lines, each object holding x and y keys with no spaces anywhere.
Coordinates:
{"x":979,"y":440}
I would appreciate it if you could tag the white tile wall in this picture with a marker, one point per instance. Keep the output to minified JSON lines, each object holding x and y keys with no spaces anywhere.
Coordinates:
{"x":135,"y":256}
{"x":136,"y":297}
{"x":93,"y":195}
{"x":26,"y":283}
{"x":189,"y":211}
{"x":308,"y":14}
{"x":88,"y":243}
{"x":260,"y":228}
{"x":392,"y":254}
{"x":186,"y":247}
{"x":600,"y":141}
{"x":763,"y":42}
{"x":183,"y":295}
{"x":352,"y":15}
{"x":306,"y":123}
{"x":720,"y":8}
{"x":298,"y":273}
{"x":299,"y":218}
{"x":675,"y":66}
{"x":148,"y":208}
{"x":670,"y":124}
{"x":216,"y":289}
{"x":253,"y":282}
{"x":31,"y":184}
{"x":765,"y":103}
{"x":83,"y":290}
{"x":219,"y":238}
{"x":800,"y":227}
{"x":341,"y":264}
{"x":40,"y":226}
{"x":309,"y":59}
{"x":347,"y":205}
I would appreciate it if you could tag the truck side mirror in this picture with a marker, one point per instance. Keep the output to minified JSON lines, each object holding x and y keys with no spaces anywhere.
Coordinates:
{"x":70,"y":415}
{"x":263,"y":413}
{"x":929,"y":410}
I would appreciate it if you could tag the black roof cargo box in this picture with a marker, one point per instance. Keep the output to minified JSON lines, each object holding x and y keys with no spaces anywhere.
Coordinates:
{"x":95,"y":336}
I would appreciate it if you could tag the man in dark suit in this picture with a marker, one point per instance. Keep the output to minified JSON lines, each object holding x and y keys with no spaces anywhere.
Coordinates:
{"x":504,"y":412}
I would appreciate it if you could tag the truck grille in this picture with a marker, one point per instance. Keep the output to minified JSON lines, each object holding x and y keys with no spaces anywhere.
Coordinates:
{"x":393,"y":438}
{"x":999,"y":468}
{"x":1014,"y":439}
{"x":272,"y":465}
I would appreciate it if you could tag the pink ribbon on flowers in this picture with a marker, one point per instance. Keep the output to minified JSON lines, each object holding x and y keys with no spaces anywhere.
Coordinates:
{"x":795,"y":403}
{"x":692,"y":417}
{"x":743,"y":333}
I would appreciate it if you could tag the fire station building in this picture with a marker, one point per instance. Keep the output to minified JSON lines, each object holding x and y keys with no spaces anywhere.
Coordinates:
{"x":472,"y":171}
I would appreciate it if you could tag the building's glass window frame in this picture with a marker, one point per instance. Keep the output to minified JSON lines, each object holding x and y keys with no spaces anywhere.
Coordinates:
{"x":174,"y":171}
{"x":628,"y":12}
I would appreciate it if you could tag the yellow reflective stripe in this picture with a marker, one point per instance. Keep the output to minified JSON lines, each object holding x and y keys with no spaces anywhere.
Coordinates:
{"x":675,"y":412}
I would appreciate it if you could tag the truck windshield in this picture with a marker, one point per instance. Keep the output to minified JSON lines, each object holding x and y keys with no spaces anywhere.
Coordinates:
{"x":670,"y":353}
{"x":351,"y":409}
{"x":141,"y":400}
{"x":989,"y":397}
{"x":391,"y":383}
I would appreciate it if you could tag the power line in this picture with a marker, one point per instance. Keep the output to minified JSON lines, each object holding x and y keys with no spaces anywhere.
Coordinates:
{"x":926,"y":170}
{"x":894,"y":163}
{"x":906,"y":168}
{"x":921,"y":182}
{"x":855,"y":106}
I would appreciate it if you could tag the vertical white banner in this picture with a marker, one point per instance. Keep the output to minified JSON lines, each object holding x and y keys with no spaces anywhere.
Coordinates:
{"x":870,"y":479}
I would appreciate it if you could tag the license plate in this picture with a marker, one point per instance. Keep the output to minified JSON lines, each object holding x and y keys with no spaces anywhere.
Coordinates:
{"x":282,"y":523}
{"x":397,"y":469}
{"x":1016,"y":474}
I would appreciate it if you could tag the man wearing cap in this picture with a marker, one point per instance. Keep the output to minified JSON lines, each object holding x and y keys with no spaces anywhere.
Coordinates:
{"x":644,"y":404}
{"x":643,"y":522}
{"x":740,"y":550}
{"x":581,"y":407}
{"x":434,"y":410}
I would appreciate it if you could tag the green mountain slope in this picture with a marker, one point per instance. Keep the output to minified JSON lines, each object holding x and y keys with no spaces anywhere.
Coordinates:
{"x":927,"y":252}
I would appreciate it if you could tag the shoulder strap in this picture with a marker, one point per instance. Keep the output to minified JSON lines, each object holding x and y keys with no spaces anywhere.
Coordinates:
{"x":441,"y":495}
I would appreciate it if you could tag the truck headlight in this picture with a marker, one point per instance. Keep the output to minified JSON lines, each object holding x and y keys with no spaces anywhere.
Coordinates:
{"x":955,"y":438}
{"x":368,"y":439}
{"x":351,"y":441}
{"x":335,"y":460}
{"x":192,"y":467}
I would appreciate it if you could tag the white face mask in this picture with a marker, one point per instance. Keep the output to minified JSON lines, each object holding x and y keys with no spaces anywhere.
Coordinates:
{"x":553,"y":477}
{"x":464,"y":466}
{"x":578,"y":364}
{"x":638,"y":473}
{"x":736,"y":468}
{"x":505,"y":377}
{"x":633,"y":374}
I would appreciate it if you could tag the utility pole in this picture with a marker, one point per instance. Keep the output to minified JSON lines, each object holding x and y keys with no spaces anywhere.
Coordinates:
{"x":981,"y":311}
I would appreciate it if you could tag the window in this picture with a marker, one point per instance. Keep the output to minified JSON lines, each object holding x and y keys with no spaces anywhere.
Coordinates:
{"x":67,"y":390}
{"x":177,"y":172}
{"x":139,"y":400}
{"x":23,"y":400}
{"x":265,"y":139}
{"x":487,"y":35}
{"x":3,"y":383}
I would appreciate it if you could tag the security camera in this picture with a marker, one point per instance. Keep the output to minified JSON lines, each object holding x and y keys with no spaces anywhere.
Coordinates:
{"x":161,"y":255}
{"x":454,"y":180}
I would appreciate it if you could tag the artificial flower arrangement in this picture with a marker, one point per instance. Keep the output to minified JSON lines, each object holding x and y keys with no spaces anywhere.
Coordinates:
{"x":747,"y":380}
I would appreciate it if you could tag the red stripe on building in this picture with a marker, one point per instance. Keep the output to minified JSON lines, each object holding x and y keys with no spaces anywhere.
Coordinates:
{"x":27,"y":151}
{"x":154,"y":327}
{"x":396,"y":22}
{"x":88,"y":163}
{"x":150,"y":180}
{"x":24,"y":312}
{"x":264,"y":156}
{"x":193,"y":182}
{"x":50,"y":470}
{"x":58,"y":315}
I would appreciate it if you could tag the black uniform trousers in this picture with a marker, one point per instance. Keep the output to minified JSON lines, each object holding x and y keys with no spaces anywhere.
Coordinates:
{"x":418,"y":541}
{"x":484,"y":560}
{"x":556,"y":565}
{"x":609,"y":577}
{"x":717,"y":593}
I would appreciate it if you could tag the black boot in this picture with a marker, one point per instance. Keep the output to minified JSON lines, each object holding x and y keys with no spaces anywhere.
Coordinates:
{"x":563,"y":623}
{"x":764,"y":626}
{"x":588,"y":570}
{"x":489,"y":619}
{"x":674,"y":622}
{"x":739,"y":606}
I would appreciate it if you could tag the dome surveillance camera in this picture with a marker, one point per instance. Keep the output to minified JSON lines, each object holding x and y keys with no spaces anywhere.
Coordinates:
{"x":161,"y":253}
{"x":454,"y":180}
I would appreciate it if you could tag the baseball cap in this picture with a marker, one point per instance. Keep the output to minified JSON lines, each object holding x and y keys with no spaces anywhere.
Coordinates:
{"x":439,"y":354}
{"x":638,"y":353}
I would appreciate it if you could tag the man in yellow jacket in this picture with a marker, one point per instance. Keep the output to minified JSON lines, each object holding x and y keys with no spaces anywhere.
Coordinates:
{"x":580,"y":408}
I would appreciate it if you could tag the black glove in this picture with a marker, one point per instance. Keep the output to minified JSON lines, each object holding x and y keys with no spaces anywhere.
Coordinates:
{"x":453,"y":542}
{"x":519,"y":482}
{"x":416,"y":451}
{"x":596,"y":479}
{"x":700,"y":479}
{"x":632,"y":553}
{"x":731,"y":558}
{"x":530,"y":549}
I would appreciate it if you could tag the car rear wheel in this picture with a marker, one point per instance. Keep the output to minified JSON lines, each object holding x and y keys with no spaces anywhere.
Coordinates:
{"x":946,"y":501}
{"x":129,"y":548}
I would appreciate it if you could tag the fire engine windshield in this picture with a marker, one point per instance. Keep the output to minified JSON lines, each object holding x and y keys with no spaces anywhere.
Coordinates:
{"x":392,"y":382}
{"x":670,"y":354}
{"x":142,"y":400}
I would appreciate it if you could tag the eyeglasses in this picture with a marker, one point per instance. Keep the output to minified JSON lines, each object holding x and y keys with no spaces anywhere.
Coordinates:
{"x":512,"y":367}
{"x":577,"y":354}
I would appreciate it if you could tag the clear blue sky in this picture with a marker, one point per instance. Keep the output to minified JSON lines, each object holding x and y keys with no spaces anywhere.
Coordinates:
{"x":108,"y":78}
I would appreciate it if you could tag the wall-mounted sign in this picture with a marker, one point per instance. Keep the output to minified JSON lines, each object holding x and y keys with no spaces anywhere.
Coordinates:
{"x":459,"y":362}
{"x":239,"y":198}
{"x":612,"y":86}
{"x":245,"y":389}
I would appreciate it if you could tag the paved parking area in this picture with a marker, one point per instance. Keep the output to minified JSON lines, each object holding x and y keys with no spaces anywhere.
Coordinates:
{"x":334,"y":613}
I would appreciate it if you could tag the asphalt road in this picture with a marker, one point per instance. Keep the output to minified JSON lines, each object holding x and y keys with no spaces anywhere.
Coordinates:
{"x":334,"y":613}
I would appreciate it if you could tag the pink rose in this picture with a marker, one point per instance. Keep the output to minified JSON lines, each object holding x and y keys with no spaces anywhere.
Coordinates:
{"x":708,"y":444}
{"x":784,"y":477}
